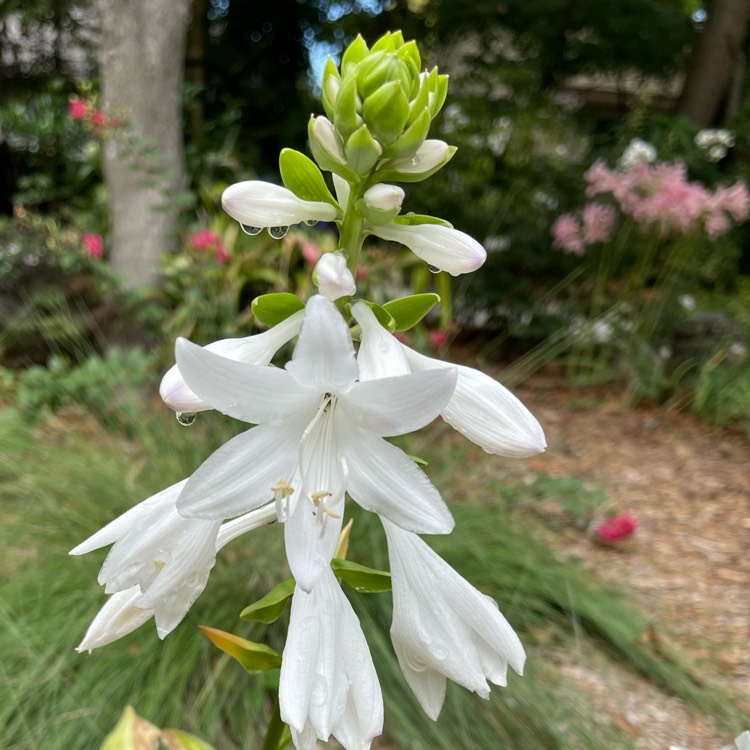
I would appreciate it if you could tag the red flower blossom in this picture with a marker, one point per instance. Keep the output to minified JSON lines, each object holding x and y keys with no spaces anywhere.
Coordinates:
{"x":617,"y":528}
{"x":77,"y":109}
{"x":94,"y":244}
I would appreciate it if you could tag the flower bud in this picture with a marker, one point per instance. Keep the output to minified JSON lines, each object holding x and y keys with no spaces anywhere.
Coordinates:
{"x":384,"y":197}
{"x":326,"y":147}
{"x":333,"y":278}
{"x":362,"y":151}
{"x":431,"y":156}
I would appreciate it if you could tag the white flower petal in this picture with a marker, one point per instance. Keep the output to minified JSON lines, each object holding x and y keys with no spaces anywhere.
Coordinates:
{"x":442,"y":623}
{"x":263,"y":204}
{"x":239,"y":476}
{"x":395,"y":406}
{"x":439,"y":246}
{"x":383,"y":479}
{"x":324,"y":356}
{"x":486,"y":412}
{"x":743,"y":741}
{"x":427,"y":684}
{"x":118,"y":617}
{"x":383,"y":197}
{"x":253,"y":350}
{"x":380,"y":354}
{"x":230,"y":530}
{"x":251,"y":393}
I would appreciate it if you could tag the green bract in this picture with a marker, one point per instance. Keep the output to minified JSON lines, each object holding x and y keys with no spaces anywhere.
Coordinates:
{"x":271,"y":309}
{"x":408,"y":311}
{"x":302,"y":176}
{"x":269,"y":608}
{"x":381,"y":106}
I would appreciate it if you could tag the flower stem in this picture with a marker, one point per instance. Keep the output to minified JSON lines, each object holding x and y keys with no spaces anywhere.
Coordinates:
{"x":278,"y":734}
{"x":352,"y":235}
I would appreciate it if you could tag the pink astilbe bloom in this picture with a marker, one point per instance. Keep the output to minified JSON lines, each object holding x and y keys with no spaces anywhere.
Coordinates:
{"x":716,"y":224}
{"x":566,"y":233}
{"x":205,"y":239}
{"x":598,"y":223}
{"x":94,"y":244}
{"x":77,"y":109}
{"x":734,"y":199}
{"x":617,"y":528}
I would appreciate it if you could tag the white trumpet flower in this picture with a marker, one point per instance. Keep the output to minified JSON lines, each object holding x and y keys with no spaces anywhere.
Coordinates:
{"x":319,"y":435}
{"x":255,"y":350}
{"x":443,"y":627}
{"x":328,"y":684}
{"x":257,"y":204}
{"x":159,"y":564}
{"x":480,"y":408}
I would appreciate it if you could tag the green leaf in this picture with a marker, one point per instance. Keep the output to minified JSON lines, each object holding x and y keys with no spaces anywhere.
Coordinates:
{"x":384,"y":317}
{"x":269,"y":608}
{"x":411,"y":220}
{"x":302,"y":176}
{"x":187,"y":741}
{"x":408,"y":311}
{"x":361,"y":578}
{"x":254,"y":657}
{"x":417,"y":460}
{"x":134,"y":733}
{"x":272,"y":309}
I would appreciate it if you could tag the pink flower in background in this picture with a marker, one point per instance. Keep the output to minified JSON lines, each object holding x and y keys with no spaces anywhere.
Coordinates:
{"x":734,"y":199}
{"x":205,"y":239}
{"x":98,"y":121}
{"x":566,"y":232}
{"x":716,"y":224}
{"x":77,"y":109}
{"x":310,"y":252}
{"x":598,"y":223}
{"x":617,"y":528}
{"x":94,"y":244}
{"x":439,"y":339}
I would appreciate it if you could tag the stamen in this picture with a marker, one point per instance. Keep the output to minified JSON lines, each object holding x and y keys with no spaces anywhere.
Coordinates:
{"x":282,"y":491}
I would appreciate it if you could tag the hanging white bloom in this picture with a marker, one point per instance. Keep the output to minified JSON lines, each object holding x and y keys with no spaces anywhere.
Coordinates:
{"x":743,"y":741}
{"x":383,"y":197}
{"x":258,"y":204}
{"x":328,"y":684}
{"x":443,"y":627}
{"x":159,"y":564}
{"x":333,"y":277}
{"x":480,"y":408}
{"x":255,"y":350}
{"x":319,"y":434}
{"x":439,"y":246}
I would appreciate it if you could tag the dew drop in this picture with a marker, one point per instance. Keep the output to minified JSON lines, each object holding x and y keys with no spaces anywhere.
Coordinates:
{"x":278,"y":232}
{"x":252,"y":231}
{"x":311,"y":222}
{"x":185,"y":418}
{"x":433,"y":269}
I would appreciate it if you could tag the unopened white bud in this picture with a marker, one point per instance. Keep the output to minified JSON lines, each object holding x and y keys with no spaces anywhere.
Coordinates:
{"x":384,"y":197}
{"x":325,"y":135}
{"x":333,"y":277}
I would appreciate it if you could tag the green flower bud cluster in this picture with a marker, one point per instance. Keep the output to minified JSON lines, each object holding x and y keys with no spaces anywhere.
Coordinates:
{"x":379,"y":108}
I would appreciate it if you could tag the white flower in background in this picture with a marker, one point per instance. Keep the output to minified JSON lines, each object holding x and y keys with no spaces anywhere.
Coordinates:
{"x":258,"y":204}
{"x":743,"y":741}
{"x":333,"y":277}
{"x":637,"y":151}
{"x":255,"y":350}
{"x":328,"y":683}
{"x":383,"y":197}
{"x":715,"y":142}
{"x":319,"y":434}
{"x":159,"y":564}
{"x":443,"y":627}
{"x":480,"y":408}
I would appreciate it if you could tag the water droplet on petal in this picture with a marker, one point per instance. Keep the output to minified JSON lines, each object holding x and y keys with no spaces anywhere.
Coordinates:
{"x":185,"y":418}
{"x":278,"y":232}
{"x":311,"y":222}
{"x":433,"y":269}
{"x":252,"y":231}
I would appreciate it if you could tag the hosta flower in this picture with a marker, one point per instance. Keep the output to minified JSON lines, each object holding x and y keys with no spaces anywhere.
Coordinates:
{"x":443,"y":627}
{"x":159,"y":564}
{"x":441,"y":247}
{"x":255,"y":350}
{"x":319,"y":435}
{"x":333,"y":278}
{"x":328,"y":683}
{"x":480,"y":408}
{"x":743,"y":741}
{"x":258,"y":204}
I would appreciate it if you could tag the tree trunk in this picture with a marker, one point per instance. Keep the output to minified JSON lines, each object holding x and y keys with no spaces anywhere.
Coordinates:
{"x":715,"y":60}
{"x":141,"y":60}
